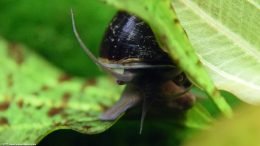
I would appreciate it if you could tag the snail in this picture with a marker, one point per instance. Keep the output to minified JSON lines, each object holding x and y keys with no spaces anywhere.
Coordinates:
{"x":147,"y":71}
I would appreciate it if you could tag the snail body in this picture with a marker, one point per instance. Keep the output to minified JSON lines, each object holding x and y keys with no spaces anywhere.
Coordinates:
{"x":148,"y":72}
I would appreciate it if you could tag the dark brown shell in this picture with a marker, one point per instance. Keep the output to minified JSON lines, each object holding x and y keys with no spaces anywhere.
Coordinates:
{"x":129,"y":39}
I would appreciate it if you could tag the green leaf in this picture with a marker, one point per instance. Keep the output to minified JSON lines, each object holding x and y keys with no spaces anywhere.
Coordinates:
{"x":37,"y":98}
{"x":242,"y":130}
{"x":198,"y":117}
{"x":162,"y":19}
{"x":225,"y":35}
{"x":43,"y":32}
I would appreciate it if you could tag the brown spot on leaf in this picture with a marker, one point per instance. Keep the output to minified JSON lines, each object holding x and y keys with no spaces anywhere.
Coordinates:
{"x":54,"y":111}
{"x":45,"y":88}
{"x":3,"y":121}
{"x":177,"y":62}
{"x":68,"y":122}
{"x":20,"y":103}
{"x":16,"y":53}
{"x":176,"y":21}
{"x":89,"y":82}
{"x":164,"y":40}
{"x":86,"y":127}
{"x":64,"y":78}
{"x":10,"y":81}
{"x":103,"y":107}
{"x":198,"y":62}
{"x":92,"y":82}
{"x":57,"y":124}
{"x":4,"y":105}
{"x":65,"y":97}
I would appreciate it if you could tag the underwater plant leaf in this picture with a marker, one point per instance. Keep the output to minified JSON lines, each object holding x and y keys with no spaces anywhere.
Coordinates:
{"x":36,"y":98}
{"x":243,"y":129}
{"x":160,"y":15}
{"x":225,"y":35}
{"x":42,"y":32}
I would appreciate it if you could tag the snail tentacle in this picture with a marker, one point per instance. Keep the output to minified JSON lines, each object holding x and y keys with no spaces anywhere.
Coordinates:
{"x":123,"y":77}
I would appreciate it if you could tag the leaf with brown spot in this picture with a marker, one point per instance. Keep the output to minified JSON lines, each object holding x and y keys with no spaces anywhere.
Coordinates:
{"x":16,"y":53}
{"x":45,"y":88}
{"x":33,"y":103}
{"x":63,"y":78}
{"x":3,"y":121}
{"x":20,"y":103}
{"x":90,"y":82}
{"x":54,"y":111}
{"x":65,"y":97}
{"x":4,"y":105}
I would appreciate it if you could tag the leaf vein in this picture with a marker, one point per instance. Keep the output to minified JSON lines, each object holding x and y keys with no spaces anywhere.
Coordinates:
{"x":236,"y":39}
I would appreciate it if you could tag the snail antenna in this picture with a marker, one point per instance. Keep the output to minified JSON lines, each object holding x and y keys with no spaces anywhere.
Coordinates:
{"x":144,"y":111}
{"x":82,"y":45}
{"x":123,"y":77}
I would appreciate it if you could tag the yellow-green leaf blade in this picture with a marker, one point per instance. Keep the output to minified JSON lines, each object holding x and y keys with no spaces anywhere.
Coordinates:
{"x":226,"y":34}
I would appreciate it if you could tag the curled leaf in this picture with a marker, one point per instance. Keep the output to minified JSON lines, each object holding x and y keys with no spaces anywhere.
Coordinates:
{"x":36,"y":98}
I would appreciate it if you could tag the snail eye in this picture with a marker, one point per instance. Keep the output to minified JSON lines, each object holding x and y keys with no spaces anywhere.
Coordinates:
{"x":119,"y":82}
{"x":182,"y":80}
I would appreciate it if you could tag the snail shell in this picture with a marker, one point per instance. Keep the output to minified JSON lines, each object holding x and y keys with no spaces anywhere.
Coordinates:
{"x":129,"y":41}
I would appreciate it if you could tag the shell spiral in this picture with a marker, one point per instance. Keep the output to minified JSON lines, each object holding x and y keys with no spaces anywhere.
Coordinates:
{"x":130,"y":38}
